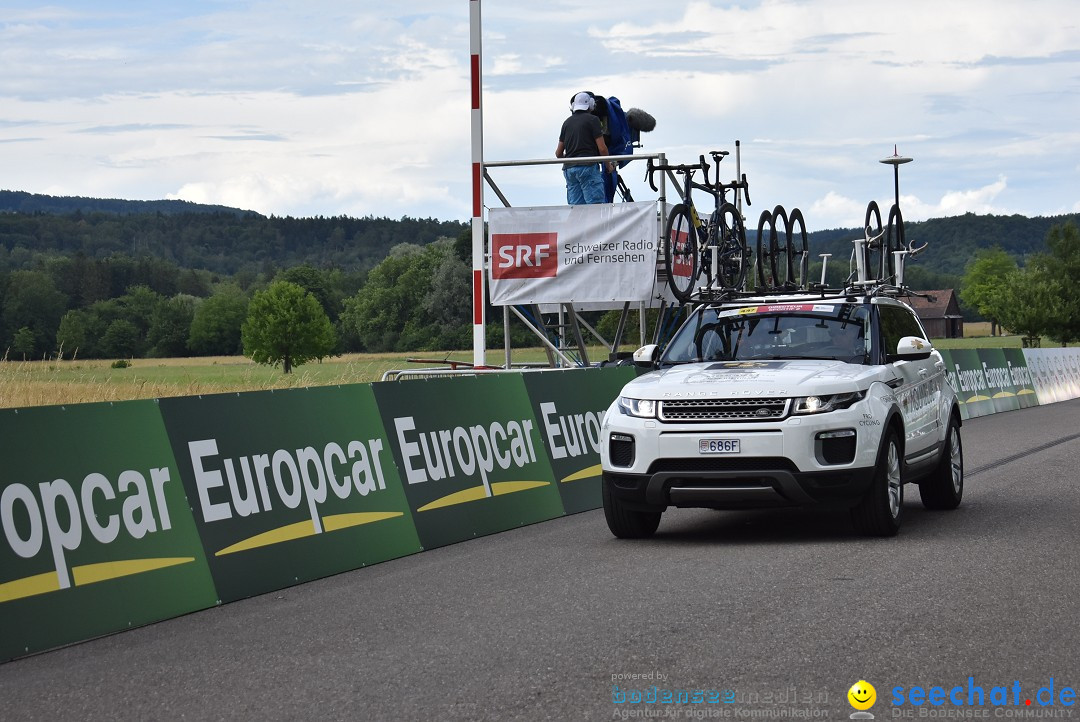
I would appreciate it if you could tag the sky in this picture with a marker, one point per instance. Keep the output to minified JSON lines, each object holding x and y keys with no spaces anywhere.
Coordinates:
{"x":362,"y":108}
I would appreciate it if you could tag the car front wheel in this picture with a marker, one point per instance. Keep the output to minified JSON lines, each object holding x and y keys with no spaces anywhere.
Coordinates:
{"x":627,"y":523}
{"x":945,"y":487}
{"x":879,"y":512}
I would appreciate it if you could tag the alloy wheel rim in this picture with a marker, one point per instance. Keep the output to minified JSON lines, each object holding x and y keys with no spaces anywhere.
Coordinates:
{"x":893,"y":474}
{"x":956,"y":461}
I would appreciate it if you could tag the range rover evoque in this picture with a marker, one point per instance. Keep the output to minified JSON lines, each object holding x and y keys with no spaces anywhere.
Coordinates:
{"x":821,"y":399}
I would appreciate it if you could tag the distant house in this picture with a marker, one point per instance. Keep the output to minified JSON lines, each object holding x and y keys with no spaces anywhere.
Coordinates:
{"x":940,"y":317}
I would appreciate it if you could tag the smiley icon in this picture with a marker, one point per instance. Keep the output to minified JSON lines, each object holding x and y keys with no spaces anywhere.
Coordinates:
{"x":862,"y":695}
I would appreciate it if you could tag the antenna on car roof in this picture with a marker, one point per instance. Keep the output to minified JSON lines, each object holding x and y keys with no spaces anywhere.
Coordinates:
{"x":896,"y":160}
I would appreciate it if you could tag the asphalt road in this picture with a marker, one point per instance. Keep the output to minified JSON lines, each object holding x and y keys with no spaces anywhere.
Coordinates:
{"x":780,"y":612}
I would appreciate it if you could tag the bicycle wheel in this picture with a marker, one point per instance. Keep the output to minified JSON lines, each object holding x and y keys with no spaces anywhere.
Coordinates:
{"x":731,"y":240}
{"x":766,"y":251}
{"x":894,"y":241}
{"x":783,"y":251}
{"x":872,"y":256}
{"x":799,"y":247}
{"x":680,"y":252}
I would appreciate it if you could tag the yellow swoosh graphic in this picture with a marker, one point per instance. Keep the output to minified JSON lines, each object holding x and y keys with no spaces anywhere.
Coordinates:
{"x":90,"y":573}
{"x":306,"y":528}
{"x":977,"y":397}
{"x":29,"y":586}
{"x":586,"y":473}
{"x":477,"y":493}
{"x":85,"y":574}
{"x":1004,"y":394}
{"x":1025,"y":391}
{"x":344,"y":521}
{"x":299,"y":530}
{"x":509,"y":487}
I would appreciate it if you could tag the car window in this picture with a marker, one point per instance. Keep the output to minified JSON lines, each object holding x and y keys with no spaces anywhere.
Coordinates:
{"x":897,"y":322}
{"x":776,"y":331}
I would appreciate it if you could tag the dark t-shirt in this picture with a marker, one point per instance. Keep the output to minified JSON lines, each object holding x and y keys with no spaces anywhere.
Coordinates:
{"x":578,"y":135}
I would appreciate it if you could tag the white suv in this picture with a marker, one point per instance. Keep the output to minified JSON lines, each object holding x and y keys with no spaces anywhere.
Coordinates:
{"x":781,"y":401}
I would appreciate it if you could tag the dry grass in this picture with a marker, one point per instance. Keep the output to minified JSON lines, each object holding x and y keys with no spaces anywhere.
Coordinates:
{"x":58,"y":382}
{"x":46,"y":383}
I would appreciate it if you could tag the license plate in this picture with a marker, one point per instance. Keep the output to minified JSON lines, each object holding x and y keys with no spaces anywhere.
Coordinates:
{"x":718,"y":446}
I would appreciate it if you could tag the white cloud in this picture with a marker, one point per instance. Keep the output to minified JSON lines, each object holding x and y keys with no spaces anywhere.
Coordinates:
{"x":363,"y":107}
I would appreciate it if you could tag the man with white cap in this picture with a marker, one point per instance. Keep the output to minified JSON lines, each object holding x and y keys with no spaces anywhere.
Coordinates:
{"x":582,"y":136}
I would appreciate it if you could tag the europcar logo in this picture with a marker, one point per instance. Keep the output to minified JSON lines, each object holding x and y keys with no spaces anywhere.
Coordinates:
{"x":296,"y":482}
{"x":524,"y":255}
{"x":58,"y":518}
{"x":466,"y":453}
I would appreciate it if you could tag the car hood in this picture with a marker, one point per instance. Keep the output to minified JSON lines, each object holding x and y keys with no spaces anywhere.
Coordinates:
{"x":735,"y":379}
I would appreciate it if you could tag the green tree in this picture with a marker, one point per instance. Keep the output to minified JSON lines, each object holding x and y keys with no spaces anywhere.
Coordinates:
{"x":1062,"y":267}
{"x":981,"y":286}
{"x":32,"y":301}
{"x":417,"y":298}
{"x":1023,"y":300}
{"x":170,"y":326}
{"x":315,"y":282}
{"x":122,"y":339}
{"x":23,"y":342}
{"x":215,"y":327}
{"x":286,"y":325}
{"x":80,"y":334}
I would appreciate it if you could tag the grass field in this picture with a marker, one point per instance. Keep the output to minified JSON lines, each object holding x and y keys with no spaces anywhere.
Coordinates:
{"x":47,"y":383}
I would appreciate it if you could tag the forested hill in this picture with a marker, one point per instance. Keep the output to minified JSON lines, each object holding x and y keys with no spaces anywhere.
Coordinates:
{"x":227,"y":240}
{"x":23,"y":202}
{"x":220,"y":242}
{"x":953,"y":241}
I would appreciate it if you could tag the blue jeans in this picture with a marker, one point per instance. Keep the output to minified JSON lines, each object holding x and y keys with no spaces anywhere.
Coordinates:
{"x":584,"y":184}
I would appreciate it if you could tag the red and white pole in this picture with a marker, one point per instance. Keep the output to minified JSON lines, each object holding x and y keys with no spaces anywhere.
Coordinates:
{"x":479,"y":284}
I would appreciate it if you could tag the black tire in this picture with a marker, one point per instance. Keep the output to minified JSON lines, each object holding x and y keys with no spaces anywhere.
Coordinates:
{"x":680,"y":252}
{"x":783,"y":248}
{"x":880,"y":511}
{"x":944,"y":489}
{"x":765,"y":261}
{"x":894,"y":241}
{"x":872,"y":224}
{"x":800,"y":247}
{"x":627,"y":523}
{"x":733,"y":253}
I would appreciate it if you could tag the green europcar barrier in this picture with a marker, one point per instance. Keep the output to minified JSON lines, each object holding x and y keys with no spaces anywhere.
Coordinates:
{"x":289,"y":486}
{"x":119,"y":515}
{"x":97,"y":534}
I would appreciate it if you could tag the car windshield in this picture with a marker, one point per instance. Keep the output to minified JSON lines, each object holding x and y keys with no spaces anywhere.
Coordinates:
{"x":833,"y":331}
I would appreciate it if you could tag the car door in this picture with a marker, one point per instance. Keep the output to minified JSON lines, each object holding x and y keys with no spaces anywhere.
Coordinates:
{"x":918,"y":382}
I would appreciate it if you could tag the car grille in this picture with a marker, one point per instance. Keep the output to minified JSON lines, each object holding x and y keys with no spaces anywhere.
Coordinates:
{"x":691,"y":410}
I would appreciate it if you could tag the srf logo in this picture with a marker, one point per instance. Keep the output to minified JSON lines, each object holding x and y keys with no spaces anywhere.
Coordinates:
{"x":524,"y":255}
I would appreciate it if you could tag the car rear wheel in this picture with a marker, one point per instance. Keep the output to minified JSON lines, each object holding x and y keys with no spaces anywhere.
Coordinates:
{"x":628,"y":523}
{"x":879,"y":512}
{"x":945,"y":487}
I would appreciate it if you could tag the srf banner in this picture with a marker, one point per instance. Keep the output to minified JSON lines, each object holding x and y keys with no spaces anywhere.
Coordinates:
{"x":289,"y":486}
{"x":573,"y":254}
{"x":97,"y":533}
{"x":471,"y":455}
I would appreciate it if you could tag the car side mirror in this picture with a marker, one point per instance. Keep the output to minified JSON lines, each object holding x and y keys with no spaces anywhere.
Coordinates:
{"x":647,"y":355}
{"x":912,"y":348}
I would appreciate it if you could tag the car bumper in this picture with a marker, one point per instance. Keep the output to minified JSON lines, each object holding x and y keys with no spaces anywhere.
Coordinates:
{"x":800,"y":461}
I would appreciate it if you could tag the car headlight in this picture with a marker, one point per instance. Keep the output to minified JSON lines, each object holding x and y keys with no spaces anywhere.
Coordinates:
{"x":641,"y":408}
{"x":826,"y":402}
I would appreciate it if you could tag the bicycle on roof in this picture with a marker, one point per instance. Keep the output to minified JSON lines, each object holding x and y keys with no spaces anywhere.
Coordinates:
{"x":693,"y":246}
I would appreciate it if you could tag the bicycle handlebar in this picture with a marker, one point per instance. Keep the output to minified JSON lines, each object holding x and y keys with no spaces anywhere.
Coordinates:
{"x":688,"y":169}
